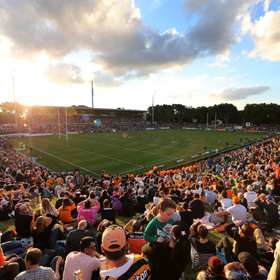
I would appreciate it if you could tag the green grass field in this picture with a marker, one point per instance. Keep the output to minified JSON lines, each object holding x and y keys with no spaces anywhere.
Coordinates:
{"x":127,"y":153}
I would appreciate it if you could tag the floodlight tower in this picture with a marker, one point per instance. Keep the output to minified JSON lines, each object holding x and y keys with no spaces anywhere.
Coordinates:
{"x":15,"y":105}
{"x":153,"y":111}
{"x":92,"y":94}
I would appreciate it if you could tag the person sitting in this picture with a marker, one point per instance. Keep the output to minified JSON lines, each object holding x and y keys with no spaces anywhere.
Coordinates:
{"x":65,"y":210}
{"x":116,"y":204}
{"x":244,"y":242}
{"x":250,"y":195}
{"x":197,"y":207}
{"x":237,"y":212}
{"x":266,"y":211}
{"x":34,"y":271}
{"x":23,"y":219}
{"x":215,"y":270}
{"x":127,"y":205}
{"x":141,"y":201}
{"x":9,"y":268}
{"x":249,"y":263}
{"x":186,"y":214}
{"x":120,"y":265}
{"x":48,"y":208}
{"x":135,"y":238}
{"x":202,"y":249}
{"x":86,"y":260}
{"x":73,"y":239}
{"x":107,"y":212}
{"x":86,"y":212}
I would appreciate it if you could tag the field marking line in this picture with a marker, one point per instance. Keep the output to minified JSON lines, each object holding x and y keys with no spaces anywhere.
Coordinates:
{"x":128,"y":148}
{"x":104,"y":156}
{"x":61,"y":159}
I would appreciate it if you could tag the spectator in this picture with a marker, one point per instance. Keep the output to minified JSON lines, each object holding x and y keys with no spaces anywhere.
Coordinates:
{"x":136,"y":237}
{"x":197,"y":207}
{"x":86,"y":260}
{"x":250,"y":195}
{"x":120,"y":264}
{"x":34,"y":271}
{"x":107,"y":212}
{"x":23,"y":219}
{"x":266,"y":211}
{"x":86,"y":212}
{"x":64,"y":211}
{"x":75,"y":236}
{"x":250,"y":264}
{"x":141,"y":201}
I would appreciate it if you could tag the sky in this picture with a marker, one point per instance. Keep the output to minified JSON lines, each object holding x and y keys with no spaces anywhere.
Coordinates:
{"x":190,"y":52}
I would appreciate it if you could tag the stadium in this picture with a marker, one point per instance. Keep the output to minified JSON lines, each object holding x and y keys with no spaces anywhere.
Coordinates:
{"x":139,"y":140}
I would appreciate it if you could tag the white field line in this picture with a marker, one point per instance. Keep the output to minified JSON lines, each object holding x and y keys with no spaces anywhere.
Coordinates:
{"x":129,"y":148}
{"x":69,"y":162}
{"x":104,"y":156}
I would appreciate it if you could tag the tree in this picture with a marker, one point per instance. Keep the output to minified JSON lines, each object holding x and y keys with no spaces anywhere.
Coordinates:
{"x":7,"y":113}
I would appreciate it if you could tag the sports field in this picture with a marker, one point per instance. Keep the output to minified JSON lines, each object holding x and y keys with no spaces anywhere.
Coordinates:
{"x":127,"y":153}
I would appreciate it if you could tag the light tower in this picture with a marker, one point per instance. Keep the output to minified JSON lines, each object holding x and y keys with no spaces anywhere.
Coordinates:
{"x":92,"y":94}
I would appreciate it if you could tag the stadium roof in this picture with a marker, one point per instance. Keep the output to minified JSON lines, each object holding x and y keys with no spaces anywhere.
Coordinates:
{"x":89,"y":108}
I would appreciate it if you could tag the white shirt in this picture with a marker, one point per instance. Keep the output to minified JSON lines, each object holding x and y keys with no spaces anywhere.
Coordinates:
{"x":238,"y":212}
{"x":250,"y":196}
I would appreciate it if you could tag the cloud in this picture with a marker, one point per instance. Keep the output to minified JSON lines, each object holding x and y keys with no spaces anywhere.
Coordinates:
{"x":64,"y":74}
{"x":113,"y":32}
{"x":105,"y":80}
{"x":232,"y":93}
{"x":222,"y":79}
{"x":218,"y":64}
{"x":266,"y":34}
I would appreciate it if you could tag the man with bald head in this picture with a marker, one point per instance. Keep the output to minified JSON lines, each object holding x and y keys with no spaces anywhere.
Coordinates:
{"x":23,"y":219}
{"x":75,"y":236}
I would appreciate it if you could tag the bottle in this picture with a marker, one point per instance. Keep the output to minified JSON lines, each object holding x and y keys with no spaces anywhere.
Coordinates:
{"x":103,"y":263}
{"x":78,"y":274}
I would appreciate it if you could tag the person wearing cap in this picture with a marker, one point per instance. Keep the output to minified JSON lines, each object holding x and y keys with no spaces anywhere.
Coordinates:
{"x":250,"y":195}
{"x":238,"y":212}
{"x":243,"y":242}
{"x":266,"y":211}
{"x":215,"y":270}
{"x":189,"y":197}
{"x":248,"y":263}
{"x":86,"y":260}
{"x":120,"y":265}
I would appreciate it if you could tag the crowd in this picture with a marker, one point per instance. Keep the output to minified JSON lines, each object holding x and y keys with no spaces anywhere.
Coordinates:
{"x":66,"y":225}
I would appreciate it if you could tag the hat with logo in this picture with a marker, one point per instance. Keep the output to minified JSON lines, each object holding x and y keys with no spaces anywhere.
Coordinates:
{"x":113,"y":238}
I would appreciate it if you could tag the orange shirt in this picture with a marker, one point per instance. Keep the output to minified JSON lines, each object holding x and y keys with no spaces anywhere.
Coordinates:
{"x":1,"y":257}
{"x":65,"y":214}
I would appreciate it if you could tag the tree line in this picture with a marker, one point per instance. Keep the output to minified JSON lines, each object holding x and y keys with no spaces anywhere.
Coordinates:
{"x":177,"y":113}
{"x":228,"y":113}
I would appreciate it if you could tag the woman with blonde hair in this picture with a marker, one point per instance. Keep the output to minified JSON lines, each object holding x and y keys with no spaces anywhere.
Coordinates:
{"x":47,"y":208}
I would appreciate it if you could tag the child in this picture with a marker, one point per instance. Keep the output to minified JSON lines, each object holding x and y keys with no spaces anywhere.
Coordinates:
{"x":158,"y":230}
